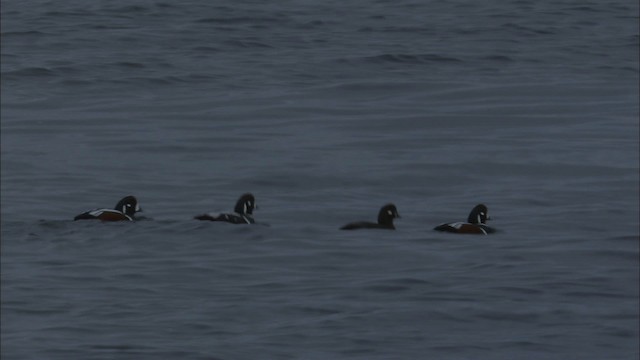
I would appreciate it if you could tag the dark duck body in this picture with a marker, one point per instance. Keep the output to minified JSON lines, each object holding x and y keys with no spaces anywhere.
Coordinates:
{"x":476,"y":223}
{"x":124,"y":210}
{"x":385,"y":220}
{"x":243,"y":212}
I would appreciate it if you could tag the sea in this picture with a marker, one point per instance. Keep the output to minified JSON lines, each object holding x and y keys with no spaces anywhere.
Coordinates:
{"x":325,"y":111}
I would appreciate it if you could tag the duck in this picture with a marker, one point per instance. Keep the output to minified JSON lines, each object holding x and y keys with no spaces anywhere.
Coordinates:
{"x":476,"y":223}
{"x":242,"y":213}
{"x":124,"y":210}
{"x":385,"y":220}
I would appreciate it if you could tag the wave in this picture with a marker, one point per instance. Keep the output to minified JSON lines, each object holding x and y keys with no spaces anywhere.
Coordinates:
{"x":408,"y":59}
{"x":22,"y":33}
{"x":498,"y":58}
{"x":312,"y":24}
{"x":162,"y":80}
{"x":528,"y":30}
{"x":34,"y":71}
{"x":205,"y":49}
{"x":238,"y":20}
{"x":583,"y":8}
{"x":128,"y":64}
{"x":620,"y":68}
{"x":247,"y":44}
{"x":398,"y":29}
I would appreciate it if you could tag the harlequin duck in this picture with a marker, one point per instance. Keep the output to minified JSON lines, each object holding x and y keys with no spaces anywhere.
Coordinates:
{"x":475,"y":223}
{"x":242,"y":212}
{"x":124,"y":211}
{"x":385,"y":220}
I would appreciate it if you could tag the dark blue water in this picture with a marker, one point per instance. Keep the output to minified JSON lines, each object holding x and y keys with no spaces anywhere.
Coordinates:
{"x":325,"y":111}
